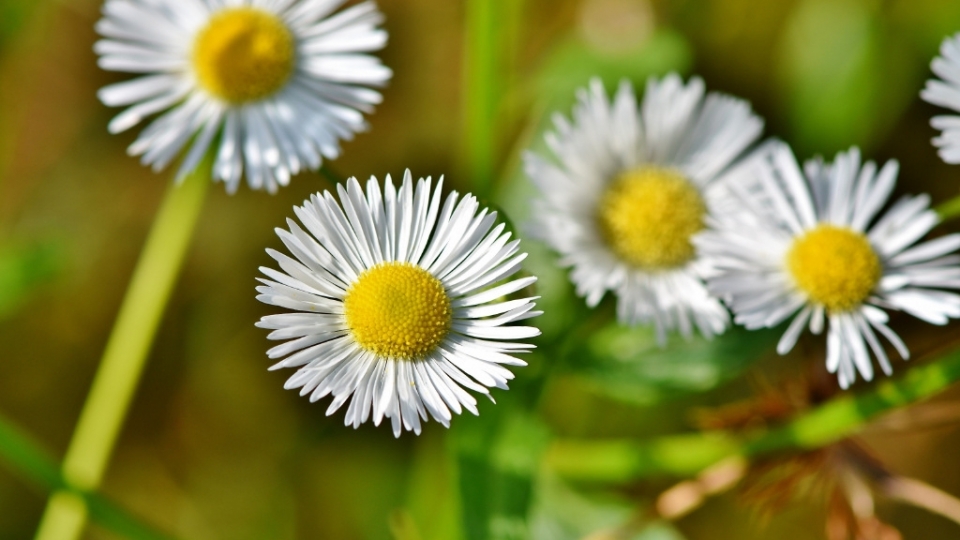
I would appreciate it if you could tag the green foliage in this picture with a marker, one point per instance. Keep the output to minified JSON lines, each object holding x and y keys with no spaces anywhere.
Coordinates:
{"x":573,"y":63}
{"x":846,"y":79}
{"x":685,"y":455}
{"x":13,"y":16}
{"x":562,"y":513}
{"x":628,"y":364}
{"x":23,"y":268}
{"x":498,"y":455}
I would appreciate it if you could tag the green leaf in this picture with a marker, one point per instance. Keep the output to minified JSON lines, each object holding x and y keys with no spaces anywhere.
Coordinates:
{"x":628,"y":364}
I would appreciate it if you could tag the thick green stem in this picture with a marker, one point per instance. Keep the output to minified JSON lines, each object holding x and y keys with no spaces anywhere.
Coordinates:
{"x":686,"y":455}
{"x":125,"y":356}
{"x":482,"y":87}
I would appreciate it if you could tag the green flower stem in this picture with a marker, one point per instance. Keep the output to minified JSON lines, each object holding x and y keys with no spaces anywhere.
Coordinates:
{"x":24,"y":457}
{"x":125,"y":355}
{"x":949,"y":210}
{"x":481,"y":90}
{"x":686,"y":455}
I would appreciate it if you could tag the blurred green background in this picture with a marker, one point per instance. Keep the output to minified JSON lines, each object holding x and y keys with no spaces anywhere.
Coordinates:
{"x":215,"y":448}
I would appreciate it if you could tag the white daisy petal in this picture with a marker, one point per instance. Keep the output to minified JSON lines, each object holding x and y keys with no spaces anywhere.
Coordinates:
{"x":276,"y":112}
{"x":927,"y":250}
{"x":137,"y":90}
{"x":790,"y":337}
{"x":376,"y":324}
{"x":853,"y":340}
{"x":871,"y":338}
{"x":837,"y":267}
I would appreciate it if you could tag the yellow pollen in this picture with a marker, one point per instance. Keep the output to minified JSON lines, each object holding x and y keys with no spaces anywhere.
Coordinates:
{"x":398,"y":310}
{"x":244,"y":54}
{"x":648,"y":215}
{"x":835,"y":266}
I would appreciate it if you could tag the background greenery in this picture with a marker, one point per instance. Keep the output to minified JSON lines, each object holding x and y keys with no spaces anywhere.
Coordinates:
{"x":215,"y":448}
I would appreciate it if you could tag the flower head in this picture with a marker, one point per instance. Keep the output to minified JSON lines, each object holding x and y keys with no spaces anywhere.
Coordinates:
{"x":275,"y":85}
{"x":946,"y":93}
{"x":630,"y":189}
{"x":399,"y":302}
{"x":808,"y":245}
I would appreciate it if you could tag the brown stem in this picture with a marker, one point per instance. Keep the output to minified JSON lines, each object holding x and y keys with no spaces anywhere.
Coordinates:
{"x":922,"y":495}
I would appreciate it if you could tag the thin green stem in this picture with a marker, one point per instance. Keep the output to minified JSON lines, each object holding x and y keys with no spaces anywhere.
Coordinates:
{"x":686,"y":455}
{"x":949,"y":210}
{"x":125,"y":356}
{"x":25,"y":458}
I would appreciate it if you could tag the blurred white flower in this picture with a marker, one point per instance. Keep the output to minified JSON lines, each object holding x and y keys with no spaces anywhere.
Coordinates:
{"x":399,"y":302}
{"x":277,"y":83}
{"x":807,"y":241}
{"x":946,"y":93}
{"x":632,"y":187}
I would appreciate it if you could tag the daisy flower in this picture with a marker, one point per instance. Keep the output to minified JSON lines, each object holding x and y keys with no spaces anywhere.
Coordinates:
{"x":274,"y":84}
{"x":946,"y":93}
{"x":399,"y":302}
{"x":629,"y":188}
{"x":810,"y":245}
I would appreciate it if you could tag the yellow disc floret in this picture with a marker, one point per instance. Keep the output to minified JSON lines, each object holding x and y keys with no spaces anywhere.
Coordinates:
{"x":835,"y":266}
{"x":398,"y":310}
{"x":648,"y":215}
{"x":243,"y":54}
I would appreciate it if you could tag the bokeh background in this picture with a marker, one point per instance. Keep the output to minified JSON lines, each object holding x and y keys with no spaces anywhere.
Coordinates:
{"x":215,"y":448}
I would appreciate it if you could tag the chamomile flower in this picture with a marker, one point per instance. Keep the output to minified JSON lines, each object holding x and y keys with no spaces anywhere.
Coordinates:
{"x":629,"y":188}
{"x":945,"y":92}
{"x":810,"y":245}
{"x":399,"y":302}
{"x":273,"y":84}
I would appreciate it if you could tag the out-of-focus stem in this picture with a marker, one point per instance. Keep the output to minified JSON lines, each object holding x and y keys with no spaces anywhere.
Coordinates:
{"x":922,"y":495}
{"x":483,"y":84}
{"x":125,"y":356}
{"x":686,"y":455}
{"x":949,"y":210}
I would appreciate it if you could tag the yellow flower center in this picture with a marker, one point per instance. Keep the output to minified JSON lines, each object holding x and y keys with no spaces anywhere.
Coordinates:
{"x":398,"y":310}
{"x":244,"y":54}
{"x":648,"y":215}
{"x":835,"y":266}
